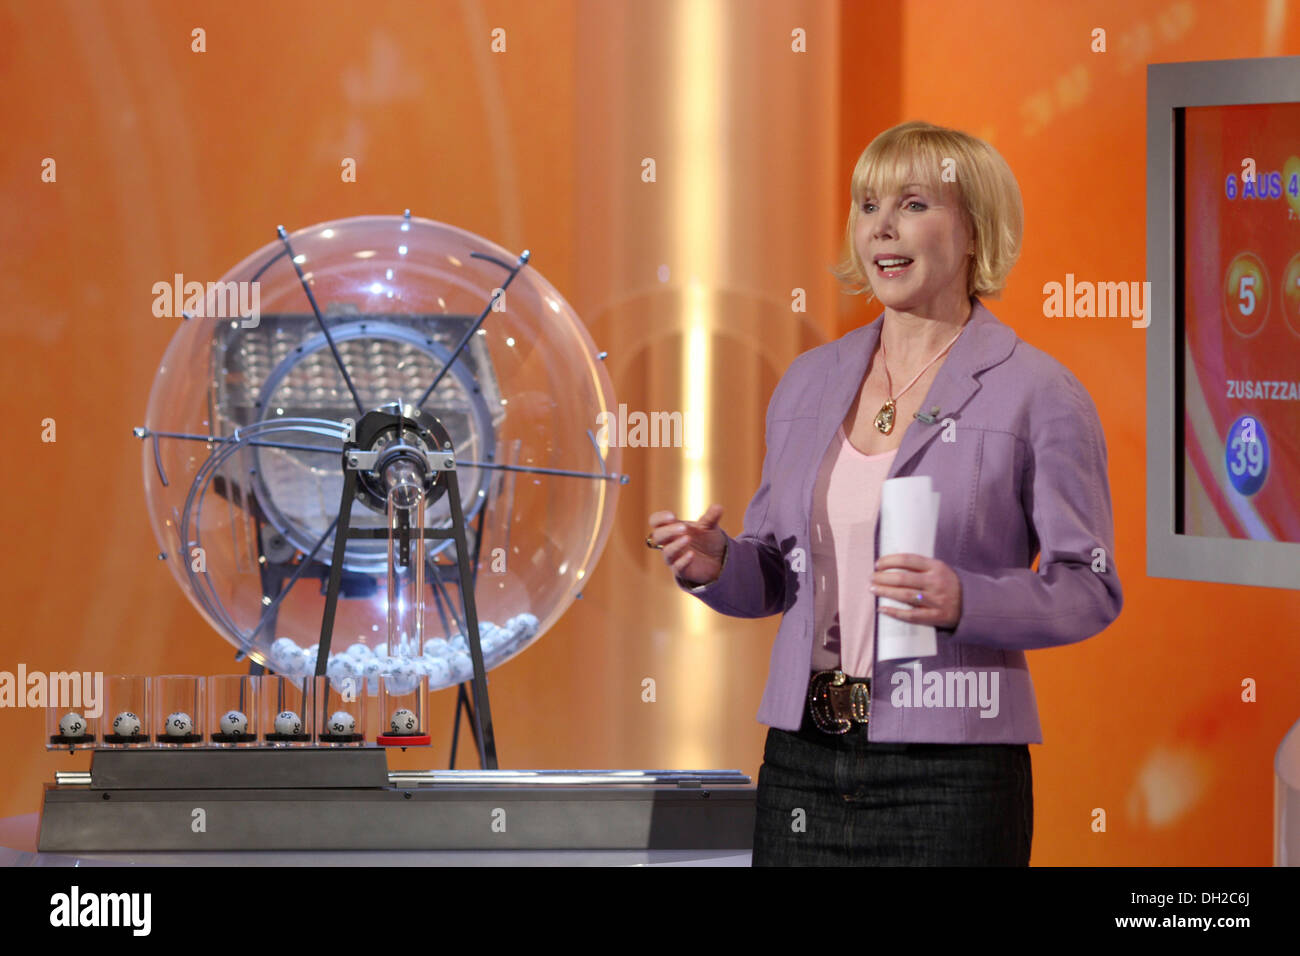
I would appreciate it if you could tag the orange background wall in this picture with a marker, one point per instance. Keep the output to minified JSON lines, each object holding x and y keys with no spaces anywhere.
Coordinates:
{"x":171,"y":161}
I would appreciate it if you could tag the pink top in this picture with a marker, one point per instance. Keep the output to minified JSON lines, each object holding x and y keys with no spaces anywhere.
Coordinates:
{"x":845,"y":503}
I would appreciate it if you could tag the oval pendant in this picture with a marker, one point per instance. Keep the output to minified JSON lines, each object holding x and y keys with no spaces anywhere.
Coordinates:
{"x":885,"y":417}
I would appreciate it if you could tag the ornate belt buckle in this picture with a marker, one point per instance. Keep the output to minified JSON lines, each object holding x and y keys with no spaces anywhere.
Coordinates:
{"x":819,"y":702}
{"x":859,"y":702}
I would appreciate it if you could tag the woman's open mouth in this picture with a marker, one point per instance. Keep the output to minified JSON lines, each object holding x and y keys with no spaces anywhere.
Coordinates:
{"x":892,"y":268}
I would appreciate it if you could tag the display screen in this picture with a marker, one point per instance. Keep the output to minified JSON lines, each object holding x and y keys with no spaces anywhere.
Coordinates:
{"x":1238,"y":375}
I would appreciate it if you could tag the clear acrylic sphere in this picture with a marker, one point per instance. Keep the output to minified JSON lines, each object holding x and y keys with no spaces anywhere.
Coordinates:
{"x":245,"y":521}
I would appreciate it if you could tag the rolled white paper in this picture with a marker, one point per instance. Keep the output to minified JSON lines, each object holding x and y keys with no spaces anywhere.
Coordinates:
{"x":909,"y":518}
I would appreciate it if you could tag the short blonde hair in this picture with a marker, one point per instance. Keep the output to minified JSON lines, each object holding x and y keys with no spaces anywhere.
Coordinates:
{"x":990,"y":196}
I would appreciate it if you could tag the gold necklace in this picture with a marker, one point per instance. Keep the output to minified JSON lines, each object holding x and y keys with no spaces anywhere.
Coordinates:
{"x":885,"y":417}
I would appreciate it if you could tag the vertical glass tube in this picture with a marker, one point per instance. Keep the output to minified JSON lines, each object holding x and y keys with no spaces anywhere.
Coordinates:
{"x":288,"y":709}
{"x":232,"y":710}
{"x":405,"y":561}
{"x":125,"y":719}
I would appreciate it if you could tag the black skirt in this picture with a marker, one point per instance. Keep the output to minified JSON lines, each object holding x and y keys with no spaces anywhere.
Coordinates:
{"x":827,"y":800}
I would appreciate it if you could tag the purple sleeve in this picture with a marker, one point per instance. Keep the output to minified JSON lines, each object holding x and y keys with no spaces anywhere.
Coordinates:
{"x":752,"y":582}
{"x":1076,"y":591}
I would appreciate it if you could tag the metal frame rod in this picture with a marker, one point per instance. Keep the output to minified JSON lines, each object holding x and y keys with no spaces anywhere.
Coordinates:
{"x":320,"y":319}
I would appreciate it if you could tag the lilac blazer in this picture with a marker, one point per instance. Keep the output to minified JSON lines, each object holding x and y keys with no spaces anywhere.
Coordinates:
{"x":1019,"y":459}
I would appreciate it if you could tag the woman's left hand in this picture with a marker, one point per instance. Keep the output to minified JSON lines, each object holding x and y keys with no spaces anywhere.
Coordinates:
{"x":905,"y":576}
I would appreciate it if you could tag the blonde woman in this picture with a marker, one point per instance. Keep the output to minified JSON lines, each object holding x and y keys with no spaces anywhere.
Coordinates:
{"x":924,"y":761}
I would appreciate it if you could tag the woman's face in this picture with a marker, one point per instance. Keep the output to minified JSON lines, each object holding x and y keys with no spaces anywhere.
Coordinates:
{"x":927,"y":226}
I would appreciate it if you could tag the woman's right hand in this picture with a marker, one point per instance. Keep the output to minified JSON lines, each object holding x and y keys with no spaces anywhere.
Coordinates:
{"x":693,"y":549}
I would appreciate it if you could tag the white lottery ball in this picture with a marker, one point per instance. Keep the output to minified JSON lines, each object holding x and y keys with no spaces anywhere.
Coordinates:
{"x":342,"y":723}
{"x":371,"y":671}
{"x":358,"y":652}
{"x":288,"y":723}
{"x":420,"y":668}
{"x":179,"y":724}
{"x":462,"y":666}
{"x":127,"y":724}
{"x":72,"y":724}
{"x":284,"y":654}
{"x":302,"y":663}
{"x":404,"y":722}
{"x":439,"y":672}
{"x":233,"y":723}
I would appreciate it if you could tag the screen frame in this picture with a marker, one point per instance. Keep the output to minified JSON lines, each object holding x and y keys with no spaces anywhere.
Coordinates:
{"x":1172,"y":87}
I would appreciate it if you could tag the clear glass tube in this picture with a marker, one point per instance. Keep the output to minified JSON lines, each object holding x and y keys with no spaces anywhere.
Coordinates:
{"x":233,"y":710}
{"x":288,"y":710}
{"x":177,"y":710}
{"x":405,"y":561}
{"x":403,"y":711}
{"x":341,"y":711}
{"x":125,"y":721}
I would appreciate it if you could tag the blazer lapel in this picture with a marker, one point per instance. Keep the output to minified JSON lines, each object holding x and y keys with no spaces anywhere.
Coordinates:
{"x":984,"y":342}
{"x":840,"y":385}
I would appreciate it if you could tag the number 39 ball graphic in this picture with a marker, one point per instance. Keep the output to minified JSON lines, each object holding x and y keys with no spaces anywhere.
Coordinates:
{"x":1246,"y":455}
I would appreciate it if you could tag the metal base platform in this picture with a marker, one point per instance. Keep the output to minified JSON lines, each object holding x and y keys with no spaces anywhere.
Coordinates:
{"x":322,"y":799}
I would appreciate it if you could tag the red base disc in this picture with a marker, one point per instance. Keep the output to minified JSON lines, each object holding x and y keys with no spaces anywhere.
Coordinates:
{"x":404,"y":740}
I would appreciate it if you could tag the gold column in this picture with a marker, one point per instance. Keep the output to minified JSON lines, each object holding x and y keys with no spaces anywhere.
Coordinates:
{"x":687,"y":280}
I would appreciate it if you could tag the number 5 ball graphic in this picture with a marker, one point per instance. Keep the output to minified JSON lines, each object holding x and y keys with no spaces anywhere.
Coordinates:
{"x":1246,"y":295}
